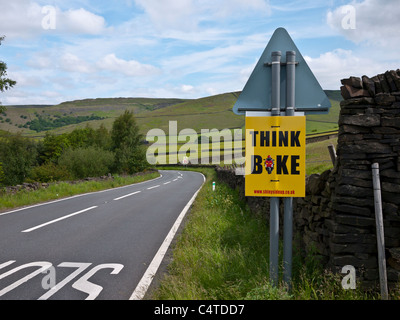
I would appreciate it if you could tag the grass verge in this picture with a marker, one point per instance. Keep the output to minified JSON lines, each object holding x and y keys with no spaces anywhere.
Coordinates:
{"x":63,"y":189}
{"x":222,"y":254}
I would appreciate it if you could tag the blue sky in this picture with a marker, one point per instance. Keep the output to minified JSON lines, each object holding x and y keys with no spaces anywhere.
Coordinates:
{"x":66,"y":50}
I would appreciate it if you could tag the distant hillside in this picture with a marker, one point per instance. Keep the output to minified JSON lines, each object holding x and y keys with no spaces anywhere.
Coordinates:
{"x":204,"y":113}
{"x":334,"y":95}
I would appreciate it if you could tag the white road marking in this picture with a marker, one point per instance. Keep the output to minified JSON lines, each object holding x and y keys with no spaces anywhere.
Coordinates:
{"x":59,"y":219}
{"x":167,"y":182}
{"x":153,"y":187}
{"x":128,"y":195}
{"x":76,"y":196}
{"x":43,"y":266}
{"x":151,"y":271}
{"x":80,"y":268}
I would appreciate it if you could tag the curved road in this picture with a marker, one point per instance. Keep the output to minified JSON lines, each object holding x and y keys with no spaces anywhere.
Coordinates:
{"x":93,"y":246}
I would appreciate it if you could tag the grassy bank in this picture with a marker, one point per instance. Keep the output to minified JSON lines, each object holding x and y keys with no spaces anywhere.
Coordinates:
{"x":63,"y":189}
{"x":223,"y":251}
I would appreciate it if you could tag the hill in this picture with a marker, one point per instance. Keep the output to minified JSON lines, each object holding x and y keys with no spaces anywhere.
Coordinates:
{"x":204,"y":113}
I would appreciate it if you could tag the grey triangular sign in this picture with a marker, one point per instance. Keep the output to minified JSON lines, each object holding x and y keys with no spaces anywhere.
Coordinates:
{"x":256,"y":95}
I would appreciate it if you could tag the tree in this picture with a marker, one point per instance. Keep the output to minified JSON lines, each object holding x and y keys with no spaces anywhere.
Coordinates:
{"x":18,"y":156}
{"x":5,"y":83}
{"x":126,"y":140}
{"x":52,"y":146}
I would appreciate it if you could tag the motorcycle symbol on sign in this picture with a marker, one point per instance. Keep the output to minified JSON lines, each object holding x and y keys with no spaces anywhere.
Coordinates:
{"x":269,"y":164}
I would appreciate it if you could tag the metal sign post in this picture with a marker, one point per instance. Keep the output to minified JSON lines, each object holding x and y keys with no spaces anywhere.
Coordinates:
{"x":274,"y":202}
{"x":288,"y":202}
{"x":288,"y":213}
{"x":275,"y":145}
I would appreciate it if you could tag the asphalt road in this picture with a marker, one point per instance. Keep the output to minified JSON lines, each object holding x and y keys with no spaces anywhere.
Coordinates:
{"x":93,"y":246}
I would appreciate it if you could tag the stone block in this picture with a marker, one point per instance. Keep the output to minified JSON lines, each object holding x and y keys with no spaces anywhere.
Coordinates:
{"x":361,"y":202}
{"x":358,"y":101}
{"x":390,"y":187}
{"x":358,"y":174}
{"x":393,"y":80}
{"x":344,"y":260}
{"x":391,"y":197}
{"x":384,"y":99}
{"x":352,"y":82}
{"x":369,"y":85}
{"x":365,"y":120}
{"x":352,"y":210}
{"x":384,"y":84}
{"x":352,"y":129}
{"x":378,"y":86}
{"x":333,"y":226}
{"x":391,"y":122}
{"x":356,"y":221}
{"x":349,"y":92}
{"x":347,"y":238}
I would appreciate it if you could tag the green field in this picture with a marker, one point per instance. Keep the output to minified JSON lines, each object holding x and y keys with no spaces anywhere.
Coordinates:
{"x":204,"y":113}
{"x":170,"y":117}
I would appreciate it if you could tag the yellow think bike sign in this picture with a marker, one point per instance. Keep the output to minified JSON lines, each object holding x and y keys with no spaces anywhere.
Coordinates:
{"x":275,"y":156}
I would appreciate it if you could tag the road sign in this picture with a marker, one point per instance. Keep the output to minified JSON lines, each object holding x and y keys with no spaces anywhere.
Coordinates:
{"x":275,"y":148}
{"x":185,"y":160}
{"x":256,"y":95}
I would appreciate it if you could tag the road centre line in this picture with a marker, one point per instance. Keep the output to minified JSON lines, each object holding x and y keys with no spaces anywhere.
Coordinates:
{"x":128,"y":195}
{"x":153,"y":187}
{"x":167,"y":182}
{"x":76,"y":196}
{"x":59,"y":219}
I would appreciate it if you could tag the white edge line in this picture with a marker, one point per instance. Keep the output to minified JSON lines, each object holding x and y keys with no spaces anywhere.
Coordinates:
{"x":128,"y":195}
{"x":76,"y":196}
{"x":147,"y":278}
{"x":59,"y":219}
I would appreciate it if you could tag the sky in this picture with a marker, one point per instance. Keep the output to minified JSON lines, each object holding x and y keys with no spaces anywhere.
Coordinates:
{"x":77,"y":49}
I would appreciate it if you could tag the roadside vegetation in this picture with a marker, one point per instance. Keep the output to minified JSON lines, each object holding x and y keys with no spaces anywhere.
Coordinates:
{"x":222,"y":254}
{"x":64,"y":189}
{"x":79,"y":154}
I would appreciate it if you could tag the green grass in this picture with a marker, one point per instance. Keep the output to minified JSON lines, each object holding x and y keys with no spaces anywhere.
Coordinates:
{"x":317,"y":156}
{"x":222,"y":254}
{"x":63,"y":189}
{"x":204,"y":113}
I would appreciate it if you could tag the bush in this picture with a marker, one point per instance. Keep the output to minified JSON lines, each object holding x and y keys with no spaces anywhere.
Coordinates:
{"x":18,"y":156}
{"x":49,"y":172}
{"x":1,"y":174}
{"x":87,"y":162}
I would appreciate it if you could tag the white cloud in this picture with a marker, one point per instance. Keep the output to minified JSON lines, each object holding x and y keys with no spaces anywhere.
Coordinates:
{"x":174,"y":14}
{"x":187,"y":88}
{"x":81,"y":21}
{"x":129,"y":68}
{"x":72,"y":63}
{"x":24,"y":19}
{"x":374,"y":22}
{"x":186,"y":15}
{"x":330,"y":67}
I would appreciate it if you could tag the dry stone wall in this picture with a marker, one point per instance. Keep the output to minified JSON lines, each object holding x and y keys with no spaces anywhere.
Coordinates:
{"x":369,"y":132}
{"x":336,"y":219}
